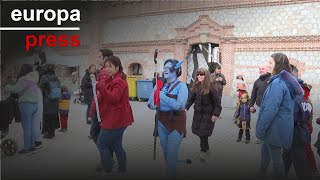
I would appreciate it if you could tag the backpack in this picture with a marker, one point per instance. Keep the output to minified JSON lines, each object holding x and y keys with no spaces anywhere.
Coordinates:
{"x":301,"y":134}
{"x":54,"y":89}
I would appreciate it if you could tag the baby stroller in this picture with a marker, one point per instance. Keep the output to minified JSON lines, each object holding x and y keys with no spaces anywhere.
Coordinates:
{"x":9,"y":110}
{"x":79,"y":97}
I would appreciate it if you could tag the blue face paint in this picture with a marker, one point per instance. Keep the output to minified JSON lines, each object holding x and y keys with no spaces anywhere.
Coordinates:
{"x":167,"y":74}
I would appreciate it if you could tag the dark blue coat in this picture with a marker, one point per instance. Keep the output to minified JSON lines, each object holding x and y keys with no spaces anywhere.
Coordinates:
{"x":243,"y":112}
{"x":275,"y":122}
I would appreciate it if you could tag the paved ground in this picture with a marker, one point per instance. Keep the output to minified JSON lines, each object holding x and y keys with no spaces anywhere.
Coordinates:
{"x":72,"y":155}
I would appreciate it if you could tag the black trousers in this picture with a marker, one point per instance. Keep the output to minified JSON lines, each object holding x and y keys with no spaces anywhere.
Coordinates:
{"x":247,"y":134}
{"x":204,"y":145}
{"x":297,"y":157}
{"x":50,"y":123}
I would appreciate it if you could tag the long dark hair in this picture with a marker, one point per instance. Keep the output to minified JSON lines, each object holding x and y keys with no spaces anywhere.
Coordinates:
{"x":42,"y":56}
{"x":24,"y":70}
{"x":106,"y":52}
{"x":207,"y":84}
{"x":115,"y":60}
{"x":281,"y":63}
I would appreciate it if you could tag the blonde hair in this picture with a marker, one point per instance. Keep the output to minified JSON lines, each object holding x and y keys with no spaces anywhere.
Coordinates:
{"x":247,"y":96}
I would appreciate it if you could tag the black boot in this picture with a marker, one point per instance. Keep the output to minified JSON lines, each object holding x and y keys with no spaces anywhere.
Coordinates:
{"x":247,"y":136}
{"x":240,"y":135}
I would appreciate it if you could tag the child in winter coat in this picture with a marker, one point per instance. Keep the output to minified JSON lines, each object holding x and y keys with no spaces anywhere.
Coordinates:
{"x":64,"y":105}
{"x":243,"y":118}
{"x":239,"y":88}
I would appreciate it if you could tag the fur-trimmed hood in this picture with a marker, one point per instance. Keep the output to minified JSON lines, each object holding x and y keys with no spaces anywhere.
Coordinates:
{"x":32,"y":76}
{"x":264,"y":76}
{"x":292,"y":83}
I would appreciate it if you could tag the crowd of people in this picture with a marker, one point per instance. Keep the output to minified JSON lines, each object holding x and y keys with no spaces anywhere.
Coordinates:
{"x":41,"y":99}
{"x":279,"y":96}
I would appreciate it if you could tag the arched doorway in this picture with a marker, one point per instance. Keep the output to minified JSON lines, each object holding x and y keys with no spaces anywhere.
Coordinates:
{"x":203,"y":55}
{"x":135,"y":69}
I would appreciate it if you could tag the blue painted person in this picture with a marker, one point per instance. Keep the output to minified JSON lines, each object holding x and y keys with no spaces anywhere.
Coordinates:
{"x":172,"y":117}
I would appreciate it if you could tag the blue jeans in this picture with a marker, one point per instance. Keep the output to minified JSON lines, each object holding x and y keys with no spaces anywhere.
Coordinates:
{"x":28,"y":116}
{"x":170,"y":143}
{"x":274,"y":153}
{"x":88,"y":111}
{"x":112,"y":139}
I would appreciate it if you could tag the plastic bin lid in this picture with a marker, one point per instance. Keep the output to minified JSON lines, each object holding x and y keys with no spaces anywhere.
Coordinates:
{"x":144,"y":80}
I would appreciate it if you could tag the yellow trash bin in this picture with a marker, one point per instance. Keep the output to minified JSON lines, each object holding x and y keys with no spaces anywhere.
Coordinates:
{"x":132,"y":86}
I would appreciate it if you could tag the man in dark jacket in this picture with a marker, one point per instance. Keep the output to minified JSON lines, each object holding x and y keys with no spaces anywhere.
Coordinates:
{"x":220,"y":80}
{"x":86,"y":88}
{"x":259,"y":86}
{"x":103,"y":54}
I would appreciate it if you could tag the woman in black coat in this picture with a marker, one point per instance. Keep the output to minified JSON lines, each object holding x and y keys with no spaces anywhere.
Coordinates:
{"x":207,"y":108}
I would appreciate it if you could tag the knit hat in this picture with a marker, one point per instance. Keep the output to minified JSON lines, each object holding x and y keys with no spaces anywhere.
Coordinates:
{"x":241,"y":85}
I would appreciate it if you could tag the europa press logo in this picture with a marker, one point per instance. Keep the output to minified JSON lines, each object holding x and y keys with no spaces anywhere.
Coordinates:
{"x":49,"y":15}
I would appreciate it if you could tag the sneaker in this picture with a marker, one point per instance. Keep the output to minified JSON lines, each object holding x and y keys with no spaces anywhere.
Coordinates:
{"x":247,"y":141}
{"x":38,"y":144}
{"x":238,"y":140}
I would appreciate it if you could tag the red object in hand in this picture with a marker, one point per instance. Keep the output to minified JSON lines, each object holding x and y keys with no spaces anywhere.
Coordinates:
{"x":156,"y":96}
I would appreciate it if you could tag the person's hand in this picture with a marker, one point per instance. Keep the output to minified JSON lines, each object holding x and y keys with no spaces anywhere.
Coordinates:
{"x":100,"y":85}
{"x":214,"y":119}
{"x":252,"y":109}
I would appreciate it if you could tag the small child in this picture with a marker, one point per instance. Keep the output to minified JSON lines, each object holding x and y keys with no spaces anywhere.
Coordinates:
{"x":241,"y":88}
{"x":64,"y":105}
{"x":243,"y":118}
